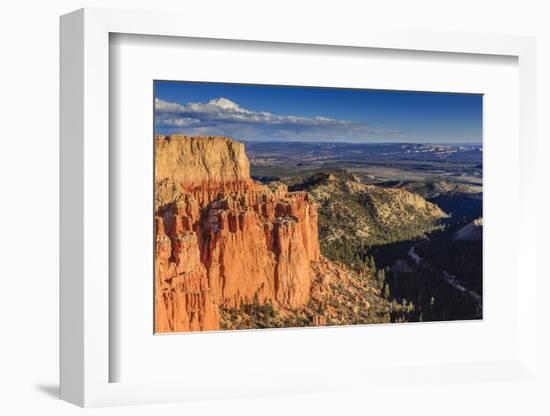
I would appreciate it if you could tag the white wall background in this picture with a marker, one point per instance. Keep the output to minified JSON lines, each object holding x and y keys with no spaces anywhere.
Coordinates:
{"x":29,"y":206}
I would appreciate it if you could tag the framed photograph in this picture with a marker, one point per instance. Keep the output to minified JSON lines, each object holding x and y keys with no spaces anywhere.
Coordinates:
{"x":281,"y":213}
{"x":311,"y":209}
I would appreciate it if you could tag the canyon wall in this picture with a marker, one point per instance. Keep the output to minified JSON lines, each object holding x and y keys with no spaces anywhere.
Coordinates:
{"x":222,"y":239}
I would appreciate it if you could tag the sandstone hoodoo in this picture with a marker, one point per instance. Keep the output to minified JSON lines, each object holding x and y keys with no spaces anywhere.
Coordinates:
{"x":223,"y":240}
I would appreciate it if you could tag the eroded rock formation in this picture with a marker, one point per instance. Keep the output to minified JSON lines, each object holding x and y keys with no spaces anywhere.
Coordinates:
{"x":222,"y":239}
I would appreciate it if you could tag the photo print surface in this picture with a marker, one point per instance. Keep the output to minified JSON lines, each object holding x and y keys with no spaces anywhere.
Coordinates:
{"x":288,"y":206}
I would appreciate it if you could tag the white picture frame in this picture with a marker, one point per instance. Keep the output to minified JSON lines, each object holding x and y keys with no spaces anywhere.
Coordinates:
{"x":85,"y":165}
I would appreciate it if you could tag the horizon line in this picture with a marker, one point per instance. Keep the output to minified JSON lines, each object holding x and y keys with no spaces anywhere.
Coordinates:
{"x":353,"y":142}
{"x":324,"y":141}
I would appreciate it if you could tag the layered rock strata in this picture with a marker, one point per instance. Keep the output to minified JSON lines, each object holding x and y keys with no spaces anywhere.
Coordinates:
{"x":223,"y":240}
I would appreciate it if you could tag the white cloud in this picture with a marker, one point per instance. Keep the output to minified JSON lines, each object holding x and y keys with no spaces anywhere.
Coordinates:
{"x":161,"y":105}
{"x":179,"y":121}
{"x":228,"y":118}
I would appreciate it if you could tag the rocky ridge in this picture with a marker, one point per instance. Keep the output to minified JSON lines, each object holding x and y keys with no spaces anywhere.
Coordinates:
{"x":367,"y":214}
{"x":433,"y":189}
{"x":473,"y":231}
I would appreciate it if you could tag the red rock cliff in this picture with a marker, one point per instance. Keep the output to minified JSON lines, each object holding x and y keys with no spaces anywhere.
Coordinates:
{"x":221,"y":238}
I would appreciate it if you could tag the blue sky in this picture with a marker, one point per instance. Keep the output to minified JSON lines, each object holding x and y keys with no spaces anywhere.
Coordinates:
{"x":275,"y":113}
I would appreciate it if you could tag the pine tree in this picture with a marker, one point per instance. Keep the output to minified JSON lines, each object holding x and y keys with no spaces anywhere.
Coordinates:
{"x":372,"y":264}
{"x":381,"y":276}
{"x":386,"y":291}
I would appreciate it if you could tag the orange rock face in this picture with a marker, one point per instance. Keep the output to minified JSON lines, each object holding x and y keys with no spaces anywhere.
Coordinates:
{"x":222,"y":239}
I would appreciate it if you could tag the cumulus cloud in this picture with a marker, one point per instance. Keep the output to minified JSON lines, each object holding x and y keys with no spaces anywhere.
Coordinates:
{"x":226,"y":117}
